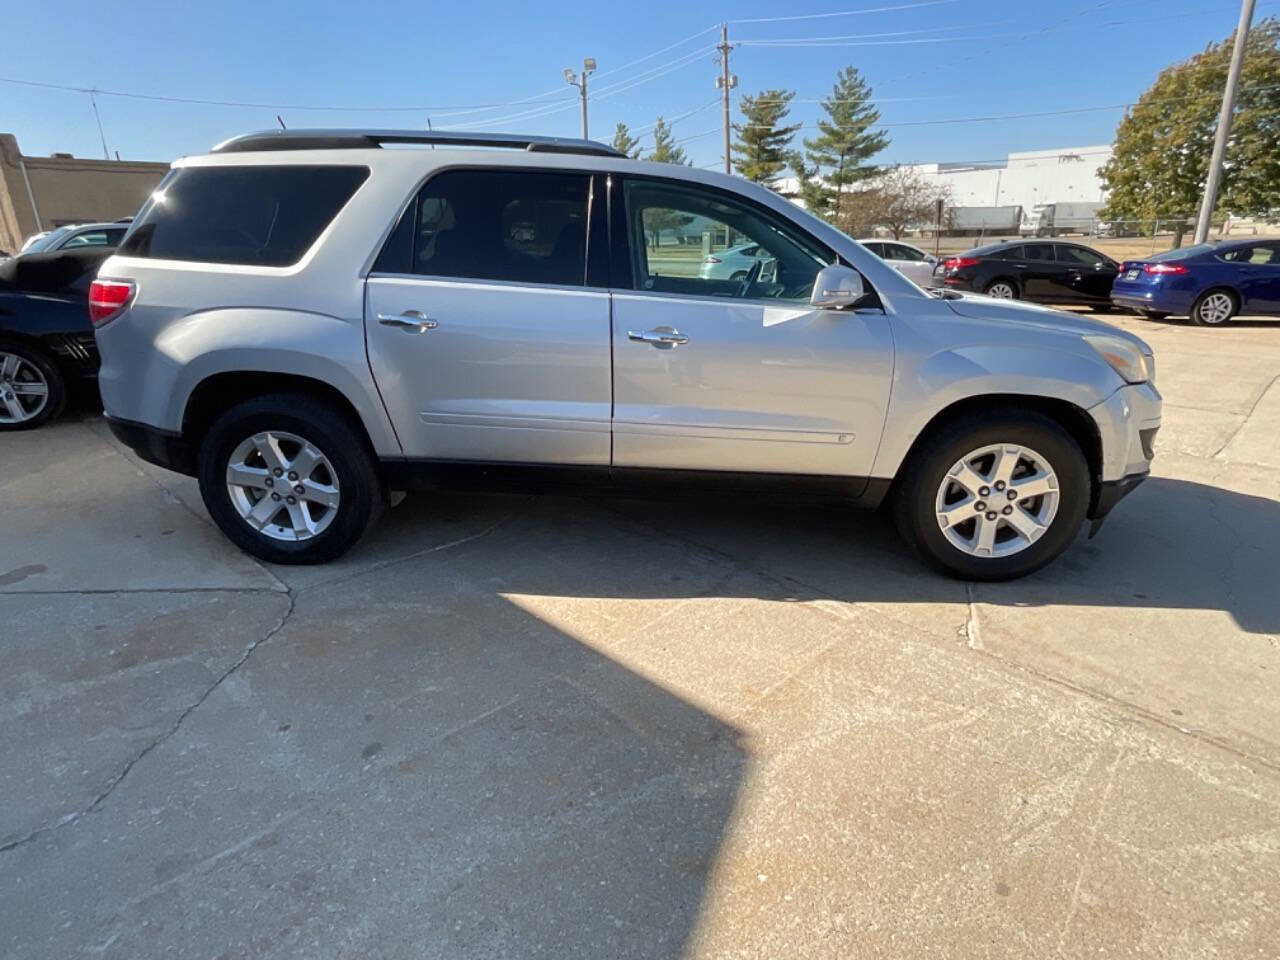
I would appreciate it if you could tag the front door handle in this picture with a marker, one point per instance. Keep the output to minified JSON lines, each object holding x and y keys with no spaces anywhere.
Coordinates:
{"x":411,"y":321}
{"x":663,"y":339}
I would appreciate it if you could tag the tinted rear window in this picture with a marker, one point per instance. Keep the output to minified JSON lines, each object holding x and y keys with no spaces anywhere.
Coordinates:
{"x":1182,"y":253}
{"x":261,"y":216}
{"x":996,"y":251}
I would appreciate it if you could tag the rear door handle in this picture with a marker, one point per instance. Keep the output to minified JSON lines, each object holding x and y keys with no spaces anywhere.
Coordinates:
{"x":411,"y":321}
{"x":663,"y":339}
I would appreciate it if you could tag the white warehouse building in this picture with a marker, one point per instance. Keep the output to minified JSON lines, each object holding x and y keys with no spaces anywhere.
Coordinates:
{"x":1028,"y":178}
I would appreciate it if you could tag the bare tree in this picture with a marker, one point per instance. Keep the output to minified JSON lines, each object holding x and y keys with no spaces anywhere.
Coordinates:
{"x":897,"y":199}
{"x":909,"y":199}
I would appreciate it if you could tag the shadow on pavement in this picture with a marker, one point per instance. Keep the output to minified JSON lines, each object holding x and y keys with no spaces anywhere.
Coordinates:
{"x":1173,"y":544}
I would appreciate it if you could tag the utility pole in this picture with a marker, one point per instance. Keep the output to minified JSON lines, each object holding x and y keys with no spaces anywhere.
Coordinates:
{"x":588,"y":68}
{"x":1214,"y":181}
{"x":726,"y":82}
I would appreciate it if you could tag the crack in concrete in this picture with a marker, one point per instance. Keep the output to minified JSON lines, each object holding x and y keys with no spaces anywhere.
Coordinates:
{"x":972,"y":638}
{"x":115,"y":781}
{"x":109,"y":591}
{"x":1252,"y":408}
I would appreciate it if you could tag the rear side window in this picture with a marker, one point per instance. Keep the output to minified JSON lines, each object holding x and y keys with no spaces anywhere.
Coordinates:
{"x":258,"y":216}
{"x":522,"y":227}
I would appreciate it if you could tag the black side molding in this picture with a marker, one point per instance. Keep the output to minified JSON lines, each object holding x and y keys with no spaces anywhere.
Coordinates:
{"x":414,"y":474}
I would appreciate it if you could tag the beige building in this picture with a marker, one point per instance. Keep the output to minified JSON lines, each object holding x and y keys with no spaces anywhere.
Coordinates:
{"x":40,"y":193}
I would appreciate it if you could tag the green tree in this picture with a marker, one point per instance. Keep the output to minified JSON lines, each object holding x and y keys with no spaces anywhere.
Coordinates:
{"x":810,"y":190}
{"x":665,"y":148}
{"x":846,"y":139}
{"x":625,"y":143}
{"x":764,"y":142}
{"x":1163,"y":144}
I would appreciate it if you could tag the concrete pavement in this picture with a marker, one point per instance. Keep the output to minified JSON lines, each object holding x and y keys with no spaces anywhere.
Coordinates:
{"x":541,"y":727}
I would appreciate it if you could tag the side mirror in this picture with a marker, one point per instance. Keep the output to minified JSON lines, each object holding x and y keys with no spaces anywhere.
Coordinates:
{"x":835,"y":287}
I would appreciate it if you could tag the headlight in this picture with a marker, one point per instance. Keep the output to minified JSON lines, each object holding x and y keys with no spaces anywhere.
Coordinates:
{"x":1123,"y":357}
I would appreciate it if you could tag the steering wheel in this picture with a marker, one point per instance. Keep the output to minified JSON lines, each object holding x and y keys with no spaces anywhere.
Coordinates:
{"x":752,"y":276}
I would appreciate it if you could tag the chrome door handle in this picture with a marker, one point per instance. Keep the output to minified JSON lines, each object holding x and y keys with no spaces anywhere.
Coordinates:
{"x":658,"y":338}
{"x":411,"y":321}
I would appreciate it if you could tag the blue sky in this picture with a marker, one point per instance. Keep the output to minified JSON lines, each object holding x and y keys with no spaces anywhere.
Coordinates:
{"x":928,"y":60}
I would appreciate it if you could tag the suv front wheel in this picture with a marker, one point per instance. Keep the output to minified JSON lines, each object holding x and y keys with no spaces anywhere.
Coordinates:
{"x":288,"y":479}
{"x":993,"y":496}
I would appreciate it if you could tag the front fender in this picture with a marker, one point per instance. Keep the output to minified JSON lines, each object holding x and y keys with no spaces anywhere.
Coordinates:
{"x":925,"y":389}
{"x":266,"y":340}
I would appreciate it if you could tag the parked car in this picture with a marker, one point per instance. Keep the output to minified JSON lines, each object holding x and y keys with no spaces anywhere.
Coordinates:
{"x":46,"y":341}
{"x":1039,"y":271}
{"x":908,"y":260}
{"x":80,"y":235}
{"x":735,"y":263}
{"x":1208,"y":282}
{"x":304,"y":321}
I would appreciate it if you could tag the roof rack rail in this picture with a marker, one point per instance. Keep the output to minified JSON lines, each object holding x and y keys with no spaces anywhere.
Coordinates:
{"x":363,"y":139}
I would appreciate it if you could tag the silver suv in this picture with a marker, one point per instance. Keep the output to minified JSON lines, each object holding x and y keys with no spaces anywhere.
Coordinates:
{"x":308,"y":320}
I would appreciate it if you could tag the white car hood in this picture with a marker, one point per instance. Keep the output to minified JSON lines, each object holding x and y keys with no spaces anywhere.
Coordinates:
{"x":980,"y":307}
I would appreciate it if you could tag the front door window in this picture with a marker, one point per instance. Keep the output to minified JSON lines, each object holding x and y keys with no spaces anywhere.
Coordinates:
{"x":700,"y":243}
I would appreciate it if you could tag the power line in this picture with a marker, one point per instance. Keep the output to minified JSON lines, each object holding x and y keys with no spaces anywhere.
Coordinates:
{"x":847,"y":13}
{"x":656,"y":53}
{"x":355,"y":108}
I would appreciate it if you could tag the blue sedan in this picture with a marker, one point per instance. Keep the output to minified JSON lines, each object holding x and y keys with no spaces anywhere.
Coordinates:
{"x":1210,"y":282}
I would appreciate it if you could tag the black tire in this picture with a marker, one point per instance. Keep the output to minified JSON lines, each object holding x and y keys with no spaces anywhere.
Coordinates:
{"x":1010,"y":282}
{"x":57,"y":396}
{"x":1154,"y":315}
{"x":328,"y":429}
{"x":1101,"y":307}
{"x":1198,"y":309}
{"x":922,"y":475}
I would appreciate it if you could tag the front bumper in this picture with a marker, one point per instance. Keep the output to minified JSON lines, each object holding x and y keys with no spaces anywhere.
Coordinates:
{"x":1127,"y":422}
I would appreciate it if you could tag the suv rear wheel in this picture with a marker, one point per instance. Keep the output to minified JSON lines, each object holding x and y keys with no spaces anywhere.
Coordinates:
{"x":289,"y":479}
{"x":993,"y":497}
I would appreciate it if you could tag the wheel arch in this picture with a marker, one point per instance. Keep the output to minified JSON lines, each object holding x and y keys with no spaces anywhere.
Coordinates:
{"x":1003,"y":278}
{"x":1226,"y":288}
{"x":1077,"y":422}
{"x":219,"y":392}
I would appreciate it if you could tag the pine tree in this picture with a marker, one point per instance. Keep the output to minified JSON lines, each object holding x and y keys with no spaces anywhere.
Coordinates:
{"x":762,"y":148}
{"x":810,"y":190}
{"x":846,"y":140}
{"x":625,"y":143}
{"x":665,"y":149}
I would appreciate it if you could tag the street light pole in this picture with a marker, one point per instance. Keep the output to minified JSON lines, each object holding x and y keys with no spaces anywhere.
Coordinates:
{"x":588,"y":68}
{"x":1214,"y":180}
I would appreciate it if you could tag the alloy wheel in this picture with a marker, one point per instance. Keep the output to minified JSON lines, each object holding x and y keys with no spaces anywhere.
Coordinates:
{"x":1001,"y":291}
{"x":283,"y":486}
{"x":24,"y":392}
{"x":1216,"y":308}
{"x":997,"y":501}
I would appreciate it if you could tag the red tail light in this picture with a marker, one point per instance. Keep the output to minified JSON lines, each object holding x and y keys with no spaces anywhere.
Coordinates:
{"x":957,"y":263}
{"x":1165,"y":268}
{"x":107,"y":298}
